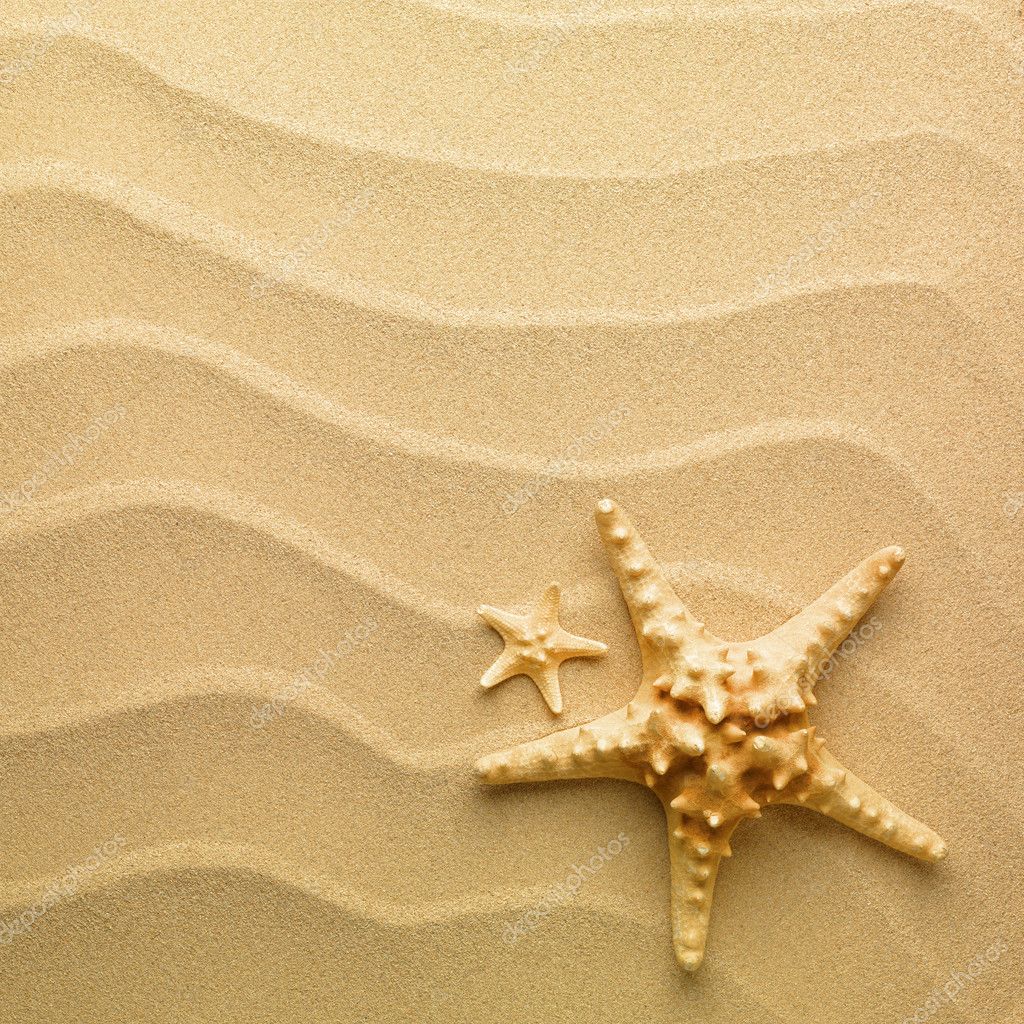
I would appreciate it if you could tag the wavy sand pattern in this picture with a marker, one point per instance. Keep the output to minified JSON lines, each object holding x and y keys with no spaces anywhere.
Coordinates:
{"x":312,"y":324}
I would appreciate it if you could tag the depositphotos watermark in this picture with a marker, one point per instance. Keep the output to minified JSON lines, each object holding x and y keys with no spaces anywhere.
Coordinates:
{"x":957,"y":982}
{"x":864,"y":632}
{"x":564,"y":891}
{"x":560,"y":30}
{"x":822,"y":670}
{"x":59,"y":890}
{"x":72,"y":21}
{"x":564,"y":466}
{"x":817,"y":243}
{"x":312,"y":244}
{"x":325,"y":661}
{"x":69,"y":453}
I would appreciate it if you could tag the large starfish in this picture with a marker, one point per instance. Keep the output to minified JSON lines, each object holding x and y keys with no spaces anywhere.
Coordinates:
{"x":718,"y":730}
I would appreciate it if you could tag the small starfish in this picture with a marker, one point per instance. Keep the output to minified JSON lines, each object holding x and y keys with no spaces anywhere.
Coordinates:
{"x":718,"y":730}
{"x":535,"y":645}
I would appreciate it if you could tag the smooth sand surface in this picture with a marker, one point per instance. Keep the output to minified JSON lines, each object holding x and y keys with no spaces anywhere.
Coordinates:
{"x":351,"y":312}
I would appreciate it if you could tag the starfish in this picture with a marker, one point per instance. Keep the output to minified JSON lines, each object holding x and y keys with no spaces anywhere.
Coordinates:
{"x":535,"y":645}
{"x":719,"y":730}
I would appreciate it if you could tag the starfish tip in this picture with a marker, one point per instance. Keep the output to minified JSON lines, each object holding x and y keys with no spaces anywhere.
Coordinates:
{"x":890,"y":561}
{"x":689,"y":959}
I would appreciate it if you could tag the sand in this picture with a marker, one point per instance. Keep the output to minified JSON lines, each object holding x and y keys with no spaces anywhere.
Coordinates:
{"x":321,"y":326}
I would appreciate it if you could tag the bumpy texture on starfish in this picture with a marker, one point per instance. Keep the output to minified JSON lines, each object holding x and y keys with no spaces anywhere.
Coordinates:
{"x":535,"y":645}
{"x":718,"y":730}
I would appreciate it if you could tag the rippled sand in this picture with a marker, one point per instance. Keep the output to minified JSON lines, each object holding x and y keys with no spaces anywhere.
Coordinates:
{"x":296,"y":307}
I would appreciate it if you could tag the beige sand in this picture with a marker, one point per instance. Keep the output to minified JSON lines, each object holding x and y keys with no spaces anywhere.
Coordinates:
{"x":353,"y":291}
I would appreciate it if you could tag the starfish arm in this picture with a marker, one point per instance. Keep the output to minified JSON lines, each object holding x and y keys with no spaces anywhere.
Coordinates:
{"x":568,"y":645}
{"x":822,"y":626}
{"x":547,"y":682}
{"x":694,"y":867}
{"x":504,"y":622}
{"x":835,"y":791}
{"x":649,"y":596}
{"x":505,"y":666}
{"x":549,"y":602}
{"x":586,"y":752}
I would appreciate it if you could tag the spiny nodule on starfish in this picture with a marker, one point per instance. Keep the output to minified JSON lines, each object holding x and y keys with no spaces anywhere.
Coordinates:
{"x":718,"y":730}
